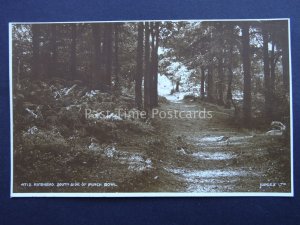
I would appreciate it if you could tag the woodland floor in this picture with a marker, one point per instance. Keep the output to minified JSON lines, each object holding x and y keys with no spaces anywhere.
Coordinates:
{"x":178,"y":155}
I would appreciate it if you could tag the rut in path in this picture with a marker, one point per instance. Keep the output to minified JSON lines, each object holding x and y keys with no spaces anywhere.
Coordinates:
{"x":211,"y":155}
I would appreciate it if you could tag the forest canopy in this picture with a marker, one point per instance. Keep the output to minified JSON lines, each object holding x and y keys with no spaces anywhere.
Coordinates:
{"x":240,"y":64}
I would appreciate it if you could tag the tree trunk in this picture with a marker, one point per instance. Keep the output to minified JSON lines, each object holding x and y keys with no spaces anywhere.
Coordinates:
{"x":155,"y":65}
{"x":247,"y":105}
{"x":285,"y":58}
{"x":202,"y":93}
{"x":229,"y":88}
{"x":154,"y":31}
{"x":20,"y":71}
{"x":35,"y":50}
{"x":272,"y":72}
{"x":151,"y":91}
{"x":272,"y":77}
{"x":73,"y":51}
{"x":220,"y":81}
{"x":108,"y":56}
{"x":117,"y":66}
{"x":96,"y":73}
{"x":210,"y":84}
{"x":139,"y":67}
{"x":268,"y":106}
{"x":147,"y":69}
{"x":53,"y":51}
{"x":229,"y":99}
{"x":230,"y":78}
{"x":177,"y":86}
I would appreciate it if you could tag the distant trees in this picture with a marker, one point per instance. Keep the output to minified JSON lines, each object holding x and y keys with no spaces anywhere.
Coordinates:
{"x":275,"y":45}
{"x":228,"y":58}
{"x":104,"y":55}
{"x":246,"y":58}
{"x":82,"y":51}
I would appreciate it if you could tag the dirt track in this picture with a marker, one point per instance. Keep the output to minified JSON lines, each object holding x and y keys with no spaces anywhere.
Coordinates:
{"x":212,"y":155}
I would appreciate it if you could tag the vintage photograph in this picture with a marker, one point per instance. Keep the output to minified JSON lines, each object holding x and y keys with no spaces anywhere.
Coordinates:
{"x":151,"y":108}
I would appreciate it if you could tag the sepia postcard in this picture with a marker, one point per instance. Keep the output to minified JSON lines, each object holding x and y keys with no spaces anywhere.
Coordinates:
{"x":151,"y":108}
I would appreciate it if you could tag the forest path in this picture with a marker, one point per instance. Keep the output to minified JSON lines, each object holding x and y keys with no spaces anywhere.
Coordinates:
{"x":212,"y":155}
